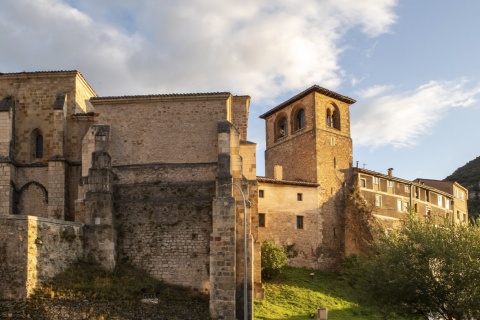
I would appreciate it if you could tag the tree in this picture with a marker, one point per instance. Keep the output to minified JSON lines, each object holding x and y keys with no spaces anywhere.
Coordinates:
{"x":423,"y":269}
{"x":273,"y":259}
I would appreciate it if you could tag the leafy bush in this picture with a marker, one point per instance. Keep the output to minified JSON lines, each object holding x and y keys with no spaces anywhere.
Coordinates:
{"x":273,"y":259}
{"x":426,"y":269}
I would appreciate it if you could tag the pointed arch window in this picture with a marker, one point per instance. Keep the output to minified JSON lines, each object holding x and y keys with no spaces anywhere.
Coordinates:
{"x":37,"y":144}
{"x":329,"y":118}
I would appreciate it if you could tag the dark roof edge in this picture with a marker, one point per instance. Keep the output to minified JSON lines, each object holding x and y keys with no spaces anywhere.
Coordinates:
{"x":287,"y":182}
{"x":314,"y":88}
{"x":173,"y":96}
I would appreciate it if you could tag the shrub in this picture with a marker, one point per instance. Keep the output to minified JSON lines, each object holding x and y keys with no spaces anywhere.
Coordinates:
{"x":273,"y":259}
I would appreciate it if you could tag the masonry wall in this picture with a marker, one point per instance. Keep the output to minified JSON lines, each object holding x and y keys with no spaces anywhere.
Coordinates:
{"x":281,"y":207}
{"x":163,"y":218}
{"x":161,"y":130}
{"x":33,"y":250}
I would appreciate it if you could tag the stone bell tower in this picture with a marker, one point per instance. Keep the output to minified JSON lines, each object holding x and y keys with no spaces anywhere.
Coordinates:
{"x":309,"y":137}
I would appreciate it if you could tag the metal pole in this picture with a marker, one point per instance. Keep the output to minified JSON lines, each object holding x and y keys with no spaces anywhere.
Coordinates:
{"x":245,"y":296}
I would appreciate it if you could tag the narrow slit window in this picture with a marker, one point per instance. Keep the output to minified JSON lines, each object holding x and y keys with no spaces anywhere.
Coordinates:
{"x":261,"y":220}
{"x":299,"y":222}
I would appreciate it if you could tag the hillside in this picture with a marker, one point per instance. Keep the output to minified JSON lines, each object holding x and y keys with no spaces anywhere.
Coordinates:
{"x":469,"y":177}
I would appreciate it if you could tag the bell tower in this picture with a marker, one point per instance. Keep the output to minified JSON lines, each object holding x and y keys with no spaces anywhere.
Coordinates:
{"x":309,"y":137}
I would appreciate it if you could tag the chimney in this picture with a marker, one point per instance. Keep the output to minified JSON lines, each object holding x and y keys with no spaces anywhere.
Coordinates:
{"x":278,"y":172}
{"x":390,"y":171}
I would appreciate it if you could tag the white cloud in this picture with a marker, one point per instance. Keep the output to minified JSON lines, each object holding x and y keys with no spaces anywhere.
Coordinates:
{"x":374,"y":91}
{"x":145,"y":46}
{"x":400,"y":119}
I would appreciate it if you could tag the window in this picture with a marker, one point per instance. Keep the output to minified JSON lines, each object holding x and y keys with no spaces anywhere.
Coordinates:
{"x":281,"y":128}
{"x":415,"y":207}
{"x":417,"y":193}
{"x":458,"y":215}
{"x":402,"y":206}
{"x":300,"y":120}
{"x":37,"y":144}
{"x":329,"y":118}
{"x":260,"y":193}
{"x":299,"y":222}
{"x":439,"y":200}
{"x":447,"y":203}
{"x":462,"y":195}
{"x":363,"y":183}
{"x":390,"y":183}
{"x":427,"y":195}
{"x":378,"y":200}
{"x":334,"y":162}
{"x":407,"y":188}
{"x":428,"y":211}
{"x":261,"y":220}
{"x":464,"y":217}
{"x":376,"y":180}
{"x":299,"y":196}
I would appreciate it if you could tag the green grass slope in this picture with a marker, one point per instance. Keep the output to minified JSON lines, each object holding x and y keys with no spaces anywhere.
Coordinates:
{"x":295,"y":295}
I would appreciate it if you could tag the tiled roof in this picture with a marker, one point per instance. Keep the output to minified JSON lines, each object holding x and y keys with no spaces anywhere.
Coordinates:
{"x":314,"y":88}
{"x":173,"y":95}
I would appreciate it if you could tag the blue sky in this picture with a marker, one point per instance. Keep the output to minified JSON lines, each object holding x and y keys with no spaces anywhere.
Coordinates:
{"x":411,"y":65}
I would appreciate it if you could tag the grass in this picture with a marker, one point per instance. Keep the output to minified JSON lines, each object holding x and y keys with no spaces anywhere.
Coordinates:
{"x":86,"y":291}
{"x":295,"y":295}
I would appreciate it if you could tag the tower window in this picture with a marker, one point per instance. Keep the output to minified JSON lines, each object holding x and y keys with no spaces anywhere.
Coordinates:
{"x":260,"y":193}
{"x":329,"y":118}
{"x":300,"y":120}
{"x":299,"y":196}
{"x":281,"y":128}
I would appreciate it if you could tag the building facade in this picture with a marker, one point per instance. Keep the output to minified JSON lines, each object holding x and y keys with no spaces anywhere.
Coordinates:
{"x":149,"y":180}
{"x":163,"y":182}
{"x":316,"y":204}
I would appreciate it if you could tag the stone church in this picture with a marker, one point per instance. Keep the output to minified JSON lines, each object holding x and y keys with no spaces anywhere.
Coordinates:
{"x":165,"y":183}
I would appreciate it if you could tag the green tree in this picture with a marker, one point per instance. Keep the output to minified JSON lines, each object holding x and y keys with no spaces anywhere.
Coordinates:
{"x":273,"y":259}
{"x":423,"y":269}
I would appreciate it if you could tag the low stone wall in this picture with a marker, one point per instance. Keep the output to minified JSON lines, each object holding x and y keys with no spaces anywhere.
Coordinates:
{"x":33,"y":249}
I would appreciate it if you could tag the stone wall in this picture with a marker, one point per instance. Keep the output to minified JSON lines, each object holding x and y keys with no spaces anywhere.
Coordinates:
{"x":281,"y":206}
{"x":34,"y":249}
{"x":164,"y":223}
{"x":162,"y":129}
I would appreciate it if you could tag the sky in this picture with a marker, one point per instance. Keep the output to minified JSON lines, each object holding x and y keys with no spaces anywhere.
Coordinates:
{"x":411,"y":65}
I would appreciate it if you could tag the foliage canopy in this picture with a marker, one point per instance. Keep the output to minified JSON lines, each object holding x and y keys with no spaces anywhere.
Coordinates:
{"x":423,"y":269}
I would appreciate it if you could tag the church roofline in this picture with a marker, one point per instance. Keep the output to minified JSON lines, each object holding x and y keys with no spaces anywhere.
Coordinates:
{"x":162,"y":97}
{"x":314,"y":88}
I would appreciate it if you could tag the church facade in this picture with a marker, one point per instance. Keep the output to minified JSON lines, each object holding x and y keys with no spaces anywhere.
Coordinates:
{"x":168,"y":183}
